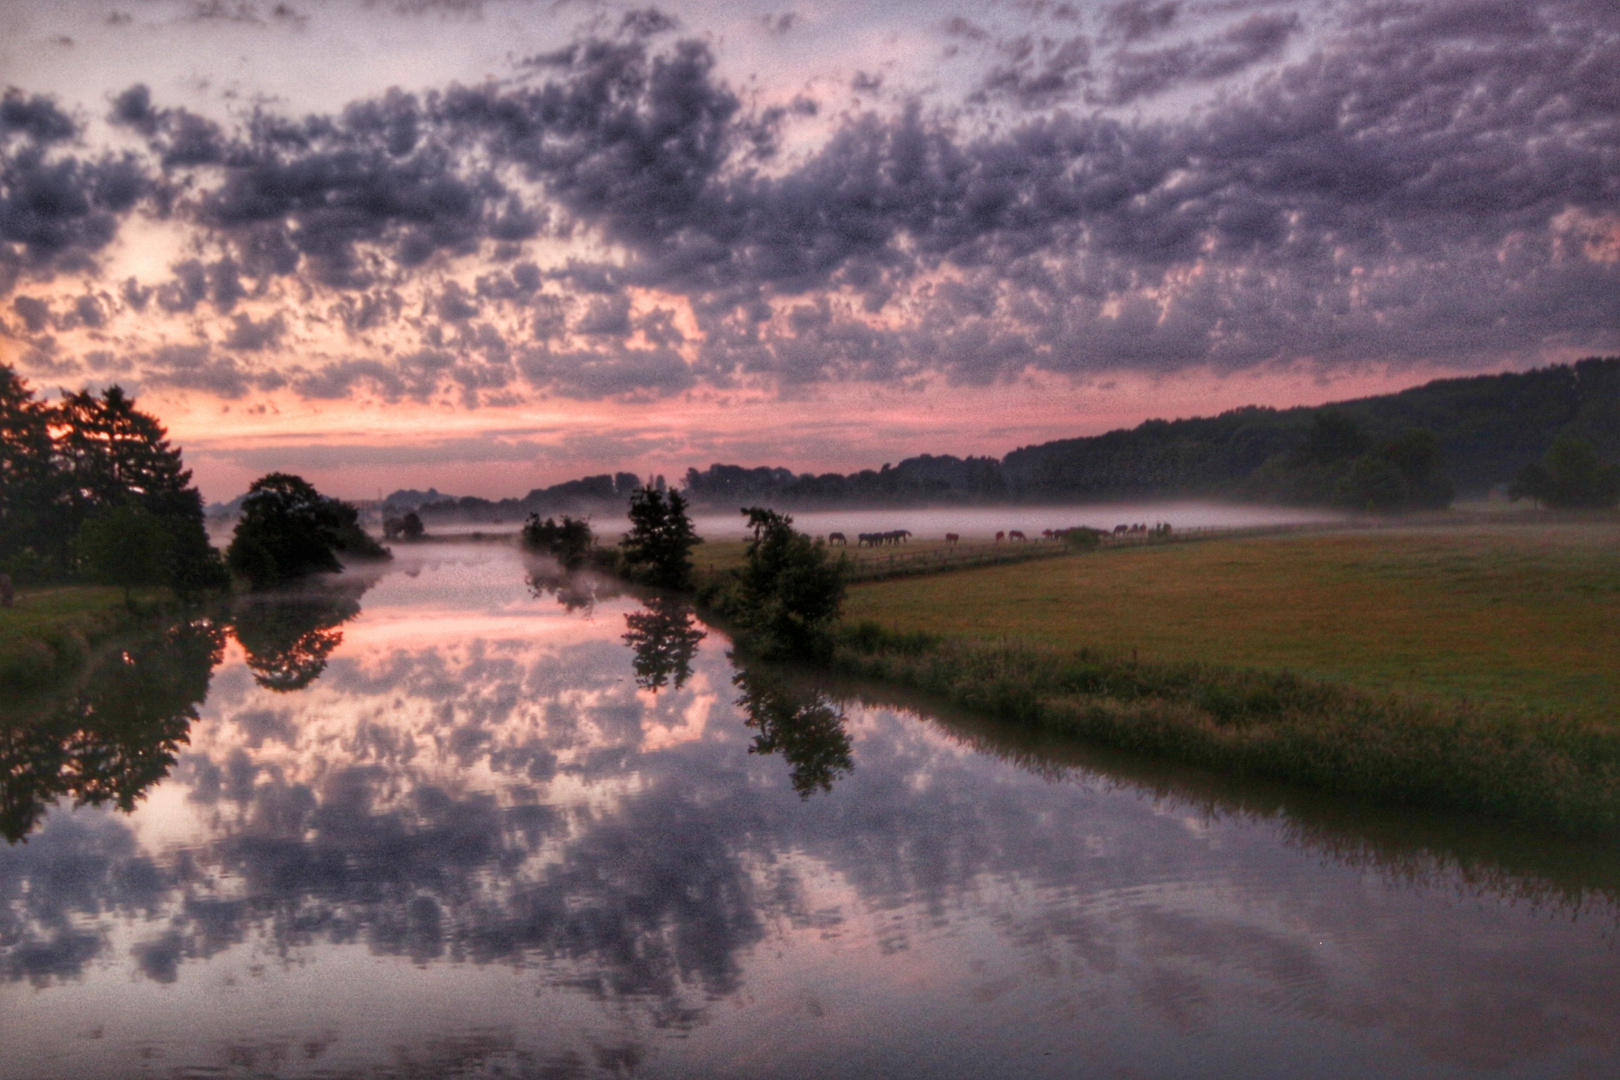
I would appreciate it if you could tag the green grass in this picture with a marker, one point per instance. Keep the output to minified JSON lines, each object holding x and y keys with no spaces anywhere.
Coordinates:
{"x":1557,"y":772}
{"x":49,"y":633}
{"x":1512,"y":618}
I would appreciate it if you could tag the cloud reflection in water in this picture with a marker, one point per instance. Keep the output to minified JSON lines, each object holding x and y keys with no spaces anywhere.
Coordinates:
{"x":529,"y":848}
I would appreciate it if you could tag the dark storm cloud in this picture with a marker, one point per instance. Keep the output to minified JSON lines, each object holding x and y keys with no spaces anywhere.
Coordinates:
{"x":1429,"y":181}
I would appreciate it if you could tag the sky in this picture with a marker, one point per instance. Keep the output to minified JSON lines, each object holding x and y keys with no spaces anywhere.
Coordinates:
{"x":488,"y":245}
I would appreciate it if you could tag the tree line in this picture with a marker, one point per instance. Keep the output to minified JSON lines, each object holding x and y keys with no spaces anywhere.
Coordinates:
{"x":1411,"y":450}
{"x":91,"y":490}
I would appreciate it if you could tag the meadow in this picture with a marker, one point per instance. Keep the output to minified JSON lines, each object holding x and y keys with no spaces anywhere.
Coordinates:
{"x":1507,"y":616}
{"x":1465,"y":667}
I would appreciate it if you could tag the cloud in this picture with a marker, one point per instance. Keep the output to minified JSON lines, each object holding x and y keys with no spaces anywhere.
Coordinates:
{"x":1143,"y":74}
{"x":1403,"y":191}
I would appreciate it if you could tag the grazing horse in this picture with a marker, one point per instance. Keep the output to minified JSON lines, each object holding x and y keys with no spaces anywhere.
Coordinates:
{"x":1016,"y":535}
{"x":1121,"y":530}
{"x":1048,"y":534}
{"x":951,"y":538}
{"x":837,"y":538}
{"x":1000,"y":536}
{"x":866,"y":539}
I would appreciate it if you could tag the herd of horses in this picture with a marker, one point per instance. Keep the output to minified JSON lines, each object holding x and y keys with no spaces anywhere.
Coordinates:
{"x":901,"y":536}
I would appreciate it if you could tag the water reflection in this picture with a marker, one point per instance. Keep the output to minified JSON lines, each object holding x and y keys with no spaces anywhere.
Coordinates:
{"x":578,"y":591}
{"x":116,"y":735}
{"x":664,"y":638}
{"x":801,"y":723}
{"x":481,"y":841}
{"x":289,"y":636}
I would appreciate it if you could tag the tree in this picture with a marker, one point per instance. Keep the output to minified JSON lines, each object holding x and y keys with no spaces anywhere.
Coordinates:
{"x":124,"y":545}
{"x":31,"y":518}
{"x":568,"y":542}
{"x":1569,"y":476}
{"x":288,"y":530}
{"x":410,"y":526}
{"x":789,"y":591}
{"x":658,"y":548}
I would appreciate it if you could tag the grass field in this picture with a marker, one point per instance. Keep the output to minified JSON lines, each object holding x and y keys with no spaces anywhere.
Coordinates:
{"x":1512,"y":617}
{"x":49,"y":632}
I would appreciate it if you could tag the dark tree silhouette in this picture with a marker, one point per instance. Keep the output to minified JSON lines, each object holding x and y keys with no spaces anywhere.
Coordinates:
{"x":665,"y":638}
{"x":805,"y":727}
{"x":658,"y":548}
{"x":289,"y":530}
{"x":62,"y":465}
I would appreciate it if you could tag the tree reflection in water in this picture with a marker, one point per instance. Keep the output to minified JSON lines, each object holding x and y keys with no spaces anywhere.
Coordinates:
{"x":116,"y":736}
{"x":805,"y":726}
{"x":288,"y":637}
{"x":665,"y":639}
{"x":576,"y":591}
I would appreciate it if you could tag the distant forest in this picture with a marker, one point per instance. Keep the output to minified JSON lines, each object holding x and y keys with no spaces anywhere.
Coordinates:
{"x":1418,"y":448}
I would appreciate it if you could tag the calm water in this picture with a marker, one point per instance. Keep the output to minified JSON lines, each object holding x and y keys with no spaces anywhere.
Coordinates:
{"x":448,"y":821}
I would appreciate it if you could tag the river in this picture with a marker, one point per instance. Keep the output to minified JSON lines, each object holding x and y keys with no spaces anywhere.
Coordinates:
{"x":458,"y":817}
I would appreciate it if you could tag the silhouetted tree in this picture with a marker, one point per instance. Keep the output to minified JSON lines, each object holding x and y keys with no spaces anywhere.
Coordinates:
{"x":31,"y":520}
{"x":658,"y":547}
{"x":62,"y":465}
{"x":665,"y":638}
{"x":288,"y":530}
{"x":1569,"y":476}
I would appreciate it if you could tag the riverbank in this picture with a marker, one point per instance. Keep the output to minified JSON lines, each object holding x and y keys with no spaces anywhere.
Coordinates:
{"x":49,"y":633}
{"x":1464,"y":668}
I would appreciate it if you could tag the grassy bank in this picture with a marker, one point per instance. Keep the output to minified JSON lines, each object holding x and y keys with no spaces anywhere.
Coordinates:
{"x":1557,"y":772}
{"x":1472,"y":668}
{"x":49,"y":633}
{"x":1507,"y":617}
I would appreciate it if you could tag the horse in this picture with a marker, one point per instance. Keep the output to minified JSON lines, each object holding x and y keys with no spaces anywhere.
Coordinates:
{"x":1000,"y":536}
{"x":1016,"y":535}
{"x":837,"y":538}
{"x":866,"y":540}
{"x":1121,"y":530}
{"x":951,"y":538}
